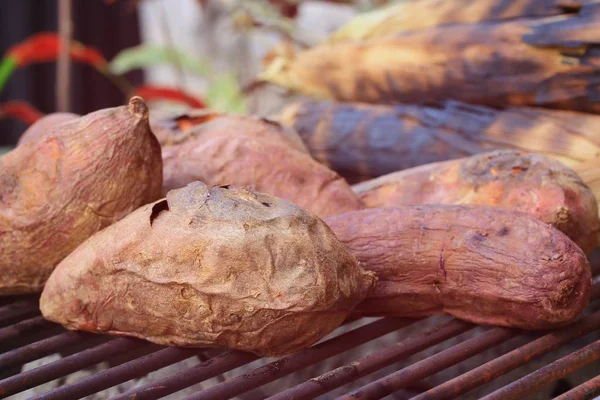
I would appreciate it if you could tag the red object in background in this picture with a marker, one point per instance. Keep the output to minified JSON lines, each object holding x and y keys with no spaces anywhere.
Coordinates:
{"x":150,"y":93}
{"x":20,"y":110}
{"x":45,"y":46}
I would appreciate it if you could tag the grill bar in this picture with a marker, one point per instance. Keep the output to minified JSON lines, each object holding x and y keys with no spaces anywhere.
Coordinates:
{"x":285,"y":366}
{"x":121,"y":373}
{"x":551,"y":372}
{"x":584,"y":391}
{"x":373,"y":362}
{"x":19,"y":309}
{"x":21,"y":328}
{"x":506,"y":363}
{"x":201,"y":372}
{"x":42,"y":348}
{"x":67,"y":365}
{"x":429,"y":366}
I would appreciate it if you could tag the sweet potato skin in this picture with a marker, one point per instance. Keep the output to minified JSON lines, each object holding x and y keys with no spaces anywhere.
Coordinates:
{"x":224,"y":267}
{"x":529,"y":183}
{"x":480,"y":264}
{"x":363,"y":141}
{"x":218,"y":155}
{"x":57,"y":191}
{"x":44,"y":125}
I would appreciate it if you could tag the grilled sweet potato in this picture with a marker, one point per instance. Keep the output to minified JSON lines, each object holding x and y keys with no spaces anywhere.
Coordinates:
{"x":550,"y":62}
{"x":362,"y":141}
{"x":57,"y":191}
{"x":230,"y":151}
{"x":530,"y":183}
{"x":481,"y":264}
{"x":223,"y":267}
{"x":44,"y":125}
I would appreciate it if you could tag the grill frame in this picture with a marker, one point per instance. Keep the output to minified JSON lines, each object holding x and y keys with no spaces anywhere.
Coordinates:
{"x":34,"y":338}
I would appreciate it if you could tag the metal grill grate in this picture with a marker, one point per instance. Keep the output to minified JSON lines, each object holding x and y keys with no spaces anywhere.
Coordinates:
{"x":25,"y":336}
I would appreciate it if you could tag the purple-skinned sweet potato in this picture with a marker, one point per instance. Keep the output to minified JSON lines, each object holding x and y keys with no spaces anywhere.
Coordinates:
{"x":44,"y":125}
{"x":218,"y":267}
{"x":531,"y":183}
{"x":481,"y":264}
{"x":76,"y":179}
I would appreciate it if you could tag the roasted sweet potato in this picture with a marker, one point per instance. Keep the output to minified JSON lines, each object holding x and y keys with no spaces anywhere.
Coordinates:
{"x":176,"y":128}
{"x":361,"y":141}
{"x":45,"y":125}
{"x":551,"y":62}
{"x":226,"y":151}
{"x":482,"y":264}
{"x":223,"y":267}
{"x":530,"y":183}
{"x":57,"y":191}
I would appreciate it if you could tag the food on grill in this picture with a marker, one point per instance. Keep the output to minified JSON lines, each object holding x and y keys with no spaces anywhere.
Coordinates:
{"x":79,"y":177}
{"x":44,"y":125}
{"x":481,"y":264}
{"x":249,"y":152}
{"x":536,"y":61}
{"x":362,"y":141}
{"x":589,"y":171}
{"x":530,"y":183}
{"x":422,"y":14}
{"x":223,"y":267}
{"x":175,"y":128}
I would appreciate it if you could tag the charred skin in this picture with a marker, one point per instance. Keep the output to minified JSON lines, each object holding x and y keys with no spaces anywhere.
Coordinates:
{"x":76,"y":179}
{"x":480,"y":264}
{"x":218,"y":267}
{"x":530,"y":183}
{"x":362,"y":141}
{"x":218,"y":154}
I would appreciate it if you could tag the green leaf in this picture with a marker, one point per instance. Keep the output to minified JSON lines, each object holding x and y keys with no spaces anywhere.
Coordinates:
{"x":224,"y":94}
{"x":7,"y":67}
{"x":148,"y":55}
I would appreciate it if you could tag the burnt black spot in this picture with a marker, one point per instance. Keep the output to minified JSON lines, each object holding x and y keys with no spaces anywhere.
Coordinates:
{"x":157,"y":209}
{"x":503,"y":232}
{"x":265,"y":204}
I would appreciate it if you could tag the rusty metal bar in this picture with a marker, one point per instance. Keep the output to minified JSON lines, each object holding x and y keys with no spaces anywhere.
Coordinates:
{"x":373,"y":362}
{"x":121,"y":373}
{"x":21,"y":308}
{"x":67,"y":365}
{"x":180,"y":380}
{"x":42,"y":348}
{"x":15,"y":331}
{"x":294,"y":362}
{"x":509,"y":361}
{"x":582,"y":392}
{"x":429,"y":366}
{"x":550,"y":373}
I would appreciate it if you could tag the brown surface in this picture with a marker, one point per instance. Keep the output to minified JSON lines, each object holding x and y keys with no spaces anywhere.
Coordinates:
{"x":240,"y":269}
{"x":529,"y":183}
{"x":249,"y":152}
{"x":549,"y":62}
{"x":361,"y":141}
{"x":44,"y":125}
{"x":56,"y":192}
{"x":481,"y":264}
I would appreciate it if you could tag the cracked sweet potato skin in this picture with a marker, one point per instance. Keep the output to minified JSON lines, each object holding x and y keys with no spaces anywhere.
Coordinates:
{"x":78,"y":178}
{"x":216,"y":154}
{"x":531,"y":183}
{"x":480,"y":264}
{"x":44,"y":125}
{"x":224,"y":267}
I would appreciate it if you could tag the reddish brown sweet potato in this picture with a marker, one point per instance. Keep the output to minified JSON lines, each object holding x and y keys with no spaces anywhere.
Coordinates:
{"x":362,"y":141}
{"x":230,"y":151}
{"x":223,"y":267}
{"x":57,"y":191}
{"x":481,"y":264}
{"x":530,"y":183}
{"x":44,"y":125}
